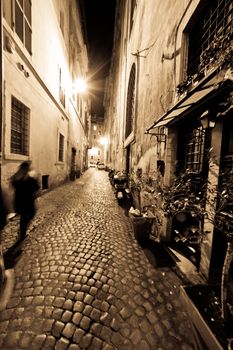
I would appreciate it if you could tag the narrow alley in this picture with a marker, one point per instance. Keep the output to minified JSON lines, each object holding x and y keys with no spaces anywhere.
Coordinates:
{"x":83,"y":282}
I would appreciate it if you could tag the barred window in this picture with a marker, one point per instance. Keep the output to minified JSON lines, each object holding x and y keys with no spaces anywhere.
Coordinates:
{"x":130,"y":102}
{"x":195,"y":150}
{"x":20,"y":115}
{"x":23,"y":25}
{"x":210,"y":33}
{"x":61,"y":148}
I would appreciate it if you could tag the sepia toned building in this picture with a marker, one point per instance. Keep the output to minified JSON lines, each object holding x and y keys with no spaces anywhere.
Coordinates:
{"x":168,"y":99}
{"x":44,"y":118}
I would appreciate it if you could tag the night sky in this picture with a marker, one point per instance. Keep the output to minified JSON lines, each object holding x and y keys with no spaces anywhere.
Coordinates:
{"x":99,"y":17}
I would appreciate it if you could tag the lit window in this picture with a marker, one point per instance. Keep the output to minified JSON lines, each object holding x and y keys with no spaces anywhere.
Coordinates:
{"x":61,"y":148}
{"x":20,"y":115}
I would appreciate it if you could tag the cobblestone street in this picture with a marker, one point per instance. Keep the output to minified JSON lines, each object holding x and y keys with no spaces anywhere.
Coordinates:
{"x":83,"y":282}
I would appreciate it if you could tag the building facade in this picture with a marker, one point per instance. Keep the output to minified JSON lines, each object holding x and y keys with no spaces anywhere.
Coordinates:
{"x":44,"y":119}
{"x":171,"y":74}
{"x":96,"y":152}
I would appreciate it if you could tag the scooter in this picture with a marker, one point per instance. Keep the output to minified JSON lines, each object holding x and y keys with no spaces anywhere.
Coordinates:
{"x":120,"y":185}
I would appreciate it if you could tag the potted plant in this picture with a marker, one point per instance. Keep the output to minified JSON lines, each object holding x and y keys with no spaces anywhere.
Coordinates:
{"x":144,"y":214}
{"x":210,"y":306}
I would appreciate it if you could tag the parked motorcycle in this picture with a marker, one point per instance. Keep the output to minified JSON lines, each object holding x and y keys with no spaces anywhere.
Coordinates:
{"x":120,"y":184}
{"x":111,"y":173}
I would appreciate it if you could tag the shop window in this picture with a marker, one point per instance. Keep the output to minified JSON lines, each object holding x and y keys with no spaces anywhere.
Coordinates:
{"x":61,"y":148}
{"x":20,"y":115}
{"x":209,"y":34}
{"x":130,"y":102}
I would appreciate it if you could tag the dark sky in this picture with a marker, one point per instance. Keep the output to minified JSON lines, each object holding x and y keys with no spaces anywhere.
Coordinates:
{"x":99,"y":17}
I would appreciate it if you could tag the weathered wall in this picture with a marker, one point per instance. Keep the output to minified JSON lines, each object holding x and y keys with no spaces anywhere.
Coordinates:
{"x":52,"y":51}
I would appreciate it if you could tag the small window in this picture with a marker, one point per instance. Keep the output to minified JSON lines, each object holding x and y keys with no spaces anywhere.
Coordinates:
{"x":20,"y":115}
{"x":22,"y":18}
{"x":61,"y":148}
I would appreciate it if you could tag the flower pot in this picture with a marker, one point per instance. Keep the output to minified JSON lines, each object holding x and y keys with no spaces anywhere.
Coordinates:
{"x":142,"y":227}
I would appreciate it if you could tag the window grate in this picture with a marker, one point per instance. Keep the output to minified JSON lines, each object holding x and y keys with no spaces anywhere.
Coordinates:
{"x":19,"y":127}
{"x":195,"y":150}
{"x":211,"y":32}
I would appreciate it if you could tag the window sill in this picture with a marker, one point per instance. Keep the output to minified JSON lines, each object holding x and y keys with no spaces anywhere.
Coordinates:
{"x":11,"y":156}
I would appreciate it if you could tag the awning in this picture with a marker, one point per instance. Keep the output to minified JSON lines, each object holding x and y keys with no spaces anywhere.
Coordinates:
{"x":185,"y":106}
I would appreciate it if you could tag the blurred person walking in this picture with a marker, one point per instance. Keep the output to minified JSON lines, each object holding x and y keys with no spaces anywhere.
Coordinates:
{"x":26,"y":186}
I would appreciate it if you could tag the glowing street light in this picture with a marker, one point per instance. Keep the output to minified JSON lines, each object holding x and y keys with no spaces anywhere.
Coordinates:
{"x":103,"y":141}
{"x":80,"y":85}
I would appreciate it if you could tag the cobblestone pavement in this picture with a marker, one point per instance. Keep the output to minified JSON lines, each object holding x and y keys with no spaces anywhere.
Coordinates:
{"x":83,"y":282}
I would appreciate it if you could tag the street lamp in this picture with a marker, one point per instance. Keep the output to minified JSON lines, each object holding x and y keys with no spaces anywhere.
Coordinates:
{"x":207,"y":120}
{"x":103,"y":141}
{"x":80,"y":86}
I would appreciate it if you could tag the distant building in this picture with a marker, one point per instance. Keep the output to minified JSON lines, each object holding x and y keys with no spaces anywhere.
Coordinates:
{"x":171,"y":71}
{"x":44,"y":119}
{"x":96,"y":152}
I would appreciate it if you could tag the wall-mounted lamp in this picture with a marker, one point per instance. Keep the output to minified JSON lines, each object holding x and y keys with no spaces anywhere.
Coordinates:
{"x":80,"y":86}
{"x":207,"y":120}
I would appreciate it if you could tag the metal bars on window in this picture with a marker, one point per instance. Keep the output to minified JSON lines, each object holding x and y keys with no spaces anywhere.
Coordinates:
{"x":20,"y":115}
{"x":210,"y":32}
{"x":195,"y":150}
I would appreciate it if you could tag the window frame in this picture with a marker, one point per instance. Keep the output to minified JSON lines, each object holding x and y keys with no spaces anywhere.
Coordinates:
{"x":20,"y":127}
{"x":61,"y":147}
{"x":26,"y":38}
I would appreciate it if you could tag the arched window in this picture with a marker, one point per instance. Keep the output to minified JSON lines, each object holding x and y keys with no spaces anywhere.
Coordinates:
{"x":130,"y":102}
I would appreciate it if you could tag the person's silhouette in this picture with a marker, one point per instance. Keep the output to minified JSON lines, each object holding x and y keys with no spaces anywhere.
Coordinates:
{"x":26,"y":185}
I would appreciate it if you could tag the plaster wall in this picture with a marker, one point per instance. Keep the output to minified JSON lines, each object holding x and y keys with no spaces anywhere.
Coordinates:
{"x":39,"y":91}
{"x":154,"y":45}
